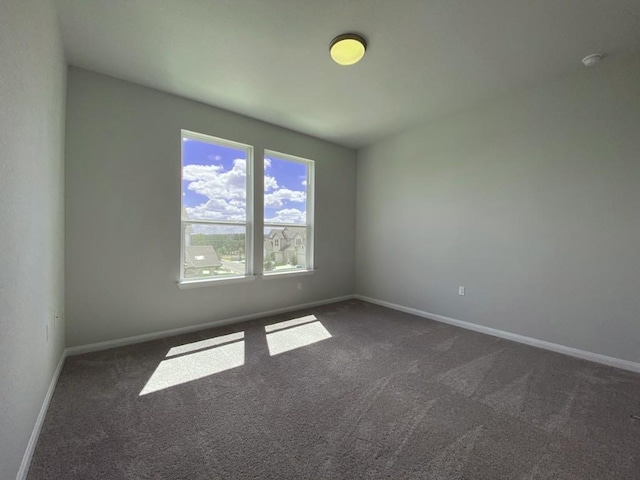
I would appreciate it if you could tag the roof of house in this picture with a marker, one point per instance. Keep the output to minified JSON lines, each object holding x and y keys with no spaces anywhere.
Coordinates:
{"x":291,"y":232}
{"x":276,"y":233}
{"x":287,"y":232}
{"x":201,"y":256}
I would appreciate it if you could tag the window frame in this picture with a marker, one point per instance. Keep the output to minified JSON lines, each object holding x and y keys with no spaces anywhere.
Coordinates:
{"x":248,"y":224}
{"x":310,"y":213}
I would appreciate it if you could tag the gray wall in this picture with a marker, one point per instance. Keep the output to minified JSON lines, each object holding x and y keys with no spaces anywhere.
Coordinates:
{"x":123,"y":213}
{"x":32,"y":92}
{"x":532,"y":202}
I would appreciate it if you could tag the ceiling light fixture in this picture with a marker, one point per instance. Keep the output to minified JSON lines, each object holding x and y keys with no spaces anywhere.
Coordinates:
{"x":348,"y":48}
{"x":591,"y":60}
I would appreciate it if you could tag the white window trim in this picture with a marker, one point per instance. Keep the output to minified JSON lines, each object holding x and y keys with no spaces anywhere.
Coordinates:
{"x":248,"y":224}
{"x":310,"y":204}
{"x":207,"y":282}
{"x":299,"y":272}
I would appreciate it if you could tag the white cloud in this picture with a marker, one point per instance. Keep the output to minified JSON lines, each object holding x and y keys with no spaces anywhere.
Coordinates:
{"x":270,"y":183}
{"x":276,"y":199}
{"x":288,"y":215}
{"x":212,"y":182}
{"x":218,"y":209}
{"x":225,"y":190}
{"x":304,"y":182}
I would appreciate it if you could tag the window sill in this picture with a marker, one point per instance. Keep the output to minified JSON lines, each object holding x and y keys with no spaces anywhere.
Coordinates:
{"x":217,"y":281}
{"x":289,"y":273}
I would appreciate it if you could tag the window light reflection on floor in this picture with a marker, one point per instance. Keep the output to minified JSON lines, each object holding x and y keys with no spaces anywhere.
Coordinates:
{"x":291,"y":334}
{"x":202,"y":344}
{"x":197,"y":360}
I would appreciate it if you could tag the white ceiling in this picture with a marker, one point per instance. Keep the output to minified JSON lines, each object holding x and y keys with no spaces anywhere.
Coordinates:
{"x":269,"y":59}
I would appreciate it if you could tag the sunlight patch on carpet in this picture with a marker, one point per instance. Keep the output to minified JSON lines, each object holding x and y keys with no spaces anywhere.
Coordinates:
{"x":198,"y":360}
{"x":208,"y":343}
{"x":291,"y":334}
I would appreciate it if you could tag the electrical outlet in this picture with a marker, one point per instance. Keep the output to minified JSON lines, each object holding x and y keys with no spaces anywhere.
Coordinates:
{"x":460,"y":290}
{"x":299,"y":285}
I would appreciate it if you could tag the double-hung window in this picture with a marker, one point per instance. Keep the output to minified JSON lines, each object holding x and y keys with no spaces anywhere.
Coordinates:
{"x":217,"y":208}
{"x":218,"y":212}
{"x":288,"y":213}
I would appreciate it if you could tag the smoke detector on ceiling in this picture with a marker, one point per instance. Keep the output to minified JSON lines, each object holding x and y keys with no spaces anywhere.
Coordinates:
{"x":591,"y":60}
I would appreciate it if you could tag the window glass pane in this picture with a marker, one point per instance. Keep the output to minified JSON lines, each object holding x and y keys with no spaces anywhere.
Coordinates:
{"x":285,"y":249}
{"x":214,"y":250}
{"x":285,"y":191}
{"x":214,"y":181}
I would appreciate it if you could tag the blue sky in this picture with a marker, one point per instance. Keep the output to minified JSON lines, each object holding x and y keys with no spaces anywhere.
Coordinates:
{"x":214,"y":180}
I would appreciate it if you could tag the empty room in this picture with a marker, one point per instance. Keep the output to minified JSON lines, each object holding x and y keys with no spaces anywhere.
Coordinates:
{"x":285,"y":239}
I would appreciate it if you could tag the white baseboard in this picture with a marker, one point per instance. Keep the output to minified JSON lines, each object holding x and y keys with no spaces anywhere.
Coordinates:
{"x":94,"y":347}
{"x":554,"y":347}
{"x":33,"y":440}
{"x":534,"y":342}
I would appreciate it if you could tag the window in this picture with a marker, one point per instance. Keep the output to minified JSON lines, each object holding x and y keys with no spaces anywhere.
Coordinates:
{"x":217,"y":240}
{"x":288,"y":213}
{"x":217,"y":208}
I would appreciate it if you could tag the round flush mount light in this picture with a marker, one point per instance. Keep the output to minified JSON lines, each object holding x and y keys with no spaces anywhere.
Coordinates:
{"x":591,"y":60}
{"x":348,"y":48}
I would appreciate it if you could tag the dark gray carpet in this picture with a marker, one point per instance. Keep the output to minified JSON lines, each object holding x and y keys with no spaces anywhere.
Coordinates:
{"x":387,"y":395}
